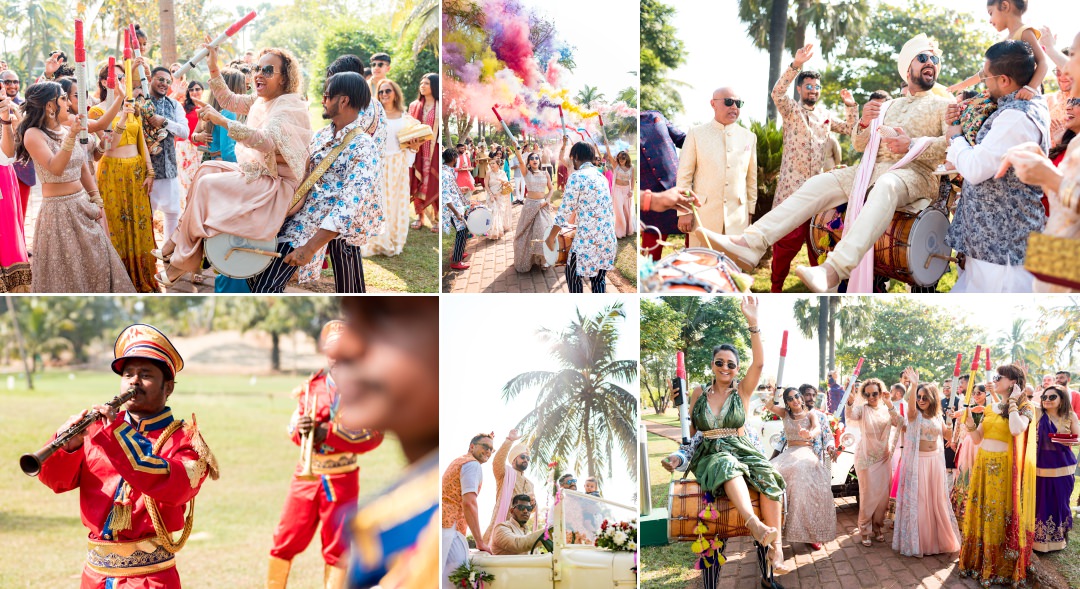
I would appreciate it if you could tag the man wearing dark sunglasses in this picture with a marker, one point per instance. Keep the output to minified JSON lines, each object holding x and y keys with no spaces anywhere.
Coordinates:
{"x":807,"y":133}
{"x":342,"y":209}
{"x":509,"y":481}
{"x":511,"y":536}
{"x":460,"y":514}
{"x":882,"y":188}
{"x":719,"y":164}
{"x":995,"y":215}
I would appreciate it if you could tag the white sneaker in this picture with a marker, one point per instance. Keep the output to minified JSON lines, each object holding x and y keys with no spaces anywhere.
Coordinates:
{"x":816,"y":279}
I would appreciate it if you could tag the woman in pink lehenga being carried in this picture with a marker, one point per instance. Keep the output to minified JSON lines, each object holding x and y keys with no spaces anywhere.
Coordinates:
{"x":250,"y":197}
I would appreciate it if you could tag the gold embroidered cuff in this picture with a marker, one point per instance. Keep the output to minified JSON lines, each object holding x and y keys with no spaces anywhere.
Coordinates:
{"x":128,"y":559}
{"x":240,"y":131}
{"x":716,"y":434}
{"x":333,"y":463}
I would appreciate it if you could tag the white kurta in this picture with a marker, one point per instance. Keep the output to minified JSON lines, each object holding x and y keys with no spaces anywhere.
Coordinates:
{"x":719,"y":163}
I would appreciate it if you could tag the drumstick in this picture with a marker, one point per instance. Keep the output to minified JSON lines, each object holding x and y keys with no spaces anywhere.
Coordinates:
{"x":697,"y":219}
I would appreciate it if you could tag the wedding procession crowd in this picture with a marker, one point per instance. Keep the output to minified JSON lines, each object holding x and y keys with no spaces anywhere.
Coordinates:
{"x":595,"y":209}
{"x":1013,"y":226}
{"x":983,"y":469}
{"x":157,"y":171}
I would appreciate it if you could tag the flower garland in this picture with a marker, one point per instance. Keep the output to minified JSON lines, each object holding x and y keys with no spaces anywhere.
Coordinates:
{"x":470,"y":577}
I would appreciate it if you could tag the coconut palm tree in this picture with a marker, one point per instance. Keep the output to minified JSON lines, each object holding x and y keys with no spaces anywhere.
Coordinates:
{"x":820,"y":317}
{"x":424,"y":14}
{"x":1057,"y":325}
{"x":582,"y":413}
{"x":774,"y":25}
{"x":1017,"y":343}
{"x":588,"y":95}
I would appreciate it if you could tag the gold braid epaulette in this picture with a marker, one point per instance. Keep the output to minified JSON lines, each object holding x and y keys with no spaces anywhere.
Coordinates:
{"x":200,"y":447}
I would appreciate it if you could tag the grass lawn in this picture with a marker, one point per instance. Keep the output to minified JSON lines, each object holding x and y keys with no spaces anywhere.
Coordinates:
{"x":763,"y":274}
{"x":669,"y":418}
{"x":44,"y":542}
{"x":671,"y":566}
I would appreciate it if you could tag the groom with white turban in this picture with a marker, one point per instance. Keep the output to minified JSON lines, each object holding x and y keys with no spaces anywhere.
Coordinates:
{"x":509,"y":482}
{"x":896,"y":171}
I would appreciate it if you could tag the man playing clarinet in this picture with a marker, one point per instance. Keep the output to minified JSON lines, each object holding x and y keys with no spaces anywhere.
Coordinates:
{"x":326,"y":483}
{"x":136,"y":470}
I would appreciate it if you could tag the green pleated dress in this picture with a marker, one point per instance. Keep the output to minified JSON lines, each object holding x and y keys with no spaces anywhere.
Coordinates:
{"x":718,"y":461}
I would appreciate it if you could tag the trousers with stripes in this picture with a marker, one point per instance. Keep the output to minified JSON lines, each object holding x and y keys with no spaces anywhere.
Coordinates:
{"x":574,"y":282}
{"x":460,"y":236}
{"x":345,"y":259}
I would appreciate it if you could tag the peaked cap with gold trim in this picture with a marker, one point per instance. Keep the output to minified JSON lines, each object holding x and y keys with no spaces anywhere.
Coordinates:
{"x":145,"y":341}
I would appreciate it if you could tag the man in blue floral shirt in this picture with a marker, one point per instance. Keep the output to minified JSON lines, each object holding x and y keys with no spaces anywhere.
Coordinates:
{"x":343,"y":208}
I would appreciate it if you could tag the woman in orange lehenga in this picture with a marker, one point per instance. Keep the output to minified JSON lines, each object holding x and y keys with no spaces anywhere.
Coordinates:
{"x":424,"y":177}
{"x":251,"y":197}
{"x":999,"y":523}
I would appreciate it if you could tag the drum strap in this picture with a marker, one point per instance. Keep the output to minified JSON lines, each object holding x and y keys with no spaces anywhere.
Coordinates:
{"x":317,"y":173}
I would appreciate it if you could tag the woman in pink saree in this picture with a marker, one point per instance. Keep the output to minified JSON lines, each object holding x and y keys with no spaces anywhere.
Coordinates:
{"x":249,"y":198}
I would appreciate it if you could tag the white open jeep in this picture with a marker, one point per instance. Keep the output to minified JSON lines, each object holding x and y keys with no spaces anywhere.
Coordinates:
{"x":574,"y":563}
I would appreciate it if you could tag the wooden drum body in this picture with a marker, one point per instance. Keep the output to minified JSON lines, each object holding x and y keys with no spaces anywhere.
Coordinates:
{"x":686,"y":499}
{"x":694,"y":270}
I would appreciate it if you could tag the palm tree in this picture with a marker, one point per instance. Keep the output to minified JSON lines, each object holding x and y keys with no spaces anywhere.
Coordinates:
{"x":1058,"y":327}
{"x":589,"y":94}
{"x":424,"y":14}
{"x":1016,"y":343}
{"x":770,"y":26}
{"x":167,"y":19}
{"x":821,"y":320}
{"x":581,"y":413}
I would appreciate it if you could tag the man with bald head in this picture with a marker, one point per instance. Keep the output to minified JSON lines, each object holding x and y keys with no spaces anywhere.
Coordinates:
{"x":719,"y":163}
{"x":902,"y":141}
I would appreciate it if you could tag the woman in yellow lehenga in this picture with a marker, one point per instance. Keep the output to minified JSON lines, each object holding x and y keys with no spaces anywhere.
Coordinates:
{"x":125,"y":187}
{"x":999,"y":523}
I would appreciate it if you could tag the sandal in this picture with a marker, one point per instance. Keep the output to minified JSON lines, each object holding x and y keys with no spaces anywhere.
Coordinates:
{"x":157,"y":254}
{"x":416,"y":224}
{"x":763,"y":534}
{"x":880,"y":537}
{"x":778,"y":566}
{"x":866,"y":541}
{"x":197,"y":278}
{"x":163,"y":279}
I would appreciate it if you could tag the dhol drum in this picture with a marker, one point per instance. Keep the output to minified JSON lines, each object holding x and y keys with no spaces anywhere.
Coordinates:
{"x":563,"y":241}
{"x":478,"y":219}
{"x":911,"y":250}
{"x":239,"y":257}
{"x":685,"y":502}
{"x":695,"y":270}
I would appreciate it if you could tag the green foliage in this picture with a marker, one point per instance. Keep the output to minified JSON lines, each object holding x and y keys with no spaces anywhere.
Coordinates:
{"x":906,"y":332}
{"x":660,"y":329}
{"x":770,"y":152}
{"x":661,"y":51}
{"x":582,"y":414}
{"x":704,"y":323}
{"x":870,"y":63}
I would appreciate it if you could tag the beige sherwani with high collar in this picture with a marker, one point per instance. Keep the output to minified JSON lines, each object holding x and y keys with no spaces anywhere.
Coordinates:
{"x":920,"y":115}
{"x":719,"y":163}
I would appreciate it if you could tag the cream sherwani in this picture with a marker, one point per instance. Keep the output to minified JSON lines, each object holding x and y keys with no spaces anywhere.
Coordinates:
{"x":719,"y":163}
{"x":522,"y":485}
{"x":921,"y":115}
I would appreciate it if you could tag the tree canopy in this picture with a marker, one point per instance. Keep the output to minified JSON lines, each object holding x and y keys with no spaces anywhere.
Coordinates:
{"x":661,"y":52}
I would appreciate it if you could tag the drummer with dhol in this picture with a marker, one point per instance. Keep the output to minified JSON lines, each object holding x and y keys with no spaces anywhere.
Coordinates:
{"x":902,"y":142}
{"x":250,"y":197}
{"x":594,"y":247}
{"x":342,"y":208}
{"x":453,"y":208}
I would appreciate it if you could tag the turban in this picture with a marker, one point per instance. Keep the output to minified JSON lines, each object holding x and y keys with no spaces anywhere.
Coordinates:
{"x":918,"y":44}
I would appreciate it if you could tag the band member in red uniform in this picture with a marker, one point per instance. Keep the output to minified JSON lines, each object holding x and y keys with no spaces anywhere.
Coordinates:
{"x":329,"y":492}
{"x":135,"y":470}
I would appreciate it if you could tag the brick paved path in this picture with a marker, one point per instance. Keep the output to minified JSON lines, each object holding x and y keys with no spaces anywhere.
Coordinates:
{"x":184,"y":286}
{"x":492,"y":269}
{"x":843,"y":563}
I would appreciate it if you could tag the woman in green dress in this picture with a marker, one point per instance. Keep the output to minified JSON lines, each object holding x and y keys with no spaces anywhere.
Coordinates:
{"x":727,"y":462}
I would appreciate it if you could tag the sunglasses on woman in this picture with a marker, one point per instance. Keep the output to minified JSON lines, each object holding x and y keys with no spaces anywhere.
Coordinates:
{"x":720,"y":364}
{"x":872,"y":395}
{"x":924,"y":399}
{"x":267,"y":71}
{"x":997,"y":377}
{"x":386,"y":91}
{"x":925,"y":57}
{"x":1051,"y":397}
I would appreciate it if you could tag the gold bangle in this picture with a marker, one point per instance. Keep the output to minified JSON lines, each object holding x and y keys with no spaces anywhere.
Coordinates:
{"x":971,"y":428}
